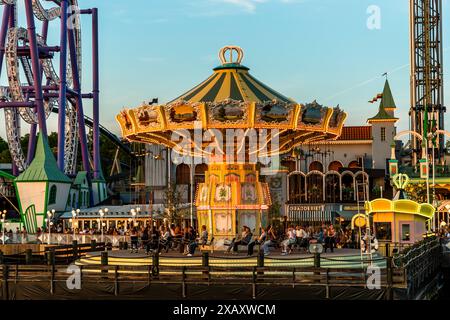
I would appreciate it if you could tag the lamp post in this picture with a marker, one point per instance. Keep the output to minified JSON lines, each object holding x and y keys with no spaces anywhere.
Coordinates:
{"x":134,"y":212}
{"x":50,"y":214}
{"x":101,"y":212}
{"x":3,"y":226}
{"x":74,"y":217}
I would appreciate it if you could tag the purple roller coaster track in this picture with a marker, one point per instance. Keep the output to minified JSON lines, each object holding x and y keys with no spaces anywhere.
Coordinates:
{"x":44,"y":90}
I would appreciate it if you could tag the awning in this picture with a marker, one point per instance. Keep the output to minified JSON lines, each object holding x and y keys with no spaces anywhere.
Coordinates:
{"x":120,"y":212}
{"x":307,"y":213}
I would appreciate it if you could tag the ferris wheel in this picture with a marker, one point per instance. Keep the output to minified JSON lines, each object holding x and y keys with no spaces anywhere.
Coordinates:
{"x":35,"y":88}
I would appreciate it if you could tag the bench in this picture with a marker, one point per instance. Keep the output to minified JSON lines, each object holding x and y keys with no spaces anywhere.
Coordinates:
{"x":208,"y":246}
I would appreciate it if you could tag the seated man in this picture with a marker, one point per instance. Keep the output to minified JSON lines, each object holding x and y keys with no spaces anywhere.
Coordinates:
{"x":165,"y":238}
{"x":191,"y":238}
{"x":291,"y":239}
{"x":302,"y":237}
{"x":246,"y":237}
{"x":270,"y":242}
{"x":260,"y":240}
{"x":201,"y":241}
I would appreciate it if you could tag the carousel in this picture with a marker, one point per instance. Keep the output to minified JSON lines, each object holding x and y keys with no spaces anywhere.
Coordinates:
{"x":238,"y":126}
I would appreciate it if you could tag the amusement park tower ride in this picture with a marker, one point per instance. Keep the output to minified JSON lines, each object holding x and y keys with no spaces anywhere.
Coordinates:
{"x":427,"y":94}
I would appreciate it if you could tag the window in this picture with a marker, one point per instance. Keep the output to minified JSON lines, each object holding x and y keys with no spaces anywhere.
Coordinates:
{"x":383,"y":134}
{"x":383,"y":230}
{"x":406,"y":232}
{"x":52,"y":197}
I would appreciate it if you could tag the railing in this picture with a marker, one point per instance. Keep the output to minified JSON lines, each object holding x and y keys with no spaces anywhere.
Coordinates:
{"x":256,"y":279}
{"x":63,"y":239}
{"x":418,"y":264}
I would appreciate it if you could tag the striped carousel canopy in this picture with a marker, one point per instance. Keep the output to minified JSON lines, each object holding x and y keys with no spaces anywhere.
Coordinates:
{"x":232,"y":80}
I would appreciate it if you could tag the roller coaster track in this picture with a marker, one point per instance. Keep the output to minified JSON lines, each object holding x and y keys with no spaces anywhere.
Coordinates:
{"x":106,"y":133}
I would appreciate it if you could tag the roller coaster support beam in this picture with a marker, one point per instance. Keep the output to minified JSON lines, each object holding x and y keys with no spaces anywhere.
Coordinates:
{"x":62,"y":86}
{"x":80,"y":113}
{"x":33,"y":126}
{"x":3,"y":32}
{"x":35,"y":66}
{"x":15,"y":169}
{"x":95,"y":92}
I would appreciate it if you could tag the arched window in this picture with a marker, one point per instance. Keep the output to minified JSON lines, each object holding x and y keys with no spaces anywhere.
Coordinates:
{"x":316,"y":165}
{"x":81,"y":201}
{"x":335,"y":166}
{"x":200,"y":170}
{"x":183,"y":174}
{"x":354,"y":165}
{"x":314,"y":184}
{"x":52,"y":196}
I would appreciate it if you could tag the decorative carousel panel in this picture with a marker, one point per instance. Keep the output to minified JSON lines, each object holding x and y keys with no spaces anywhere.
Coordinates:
{"x":232,"y":177}
{"x":148,"y":118}
{"x":275,"y":114}
{"x":223,"y":222}
{"x":126,"y":125}
{"x":313,"y":116}
{"x":250,"y":177}
{"x":203,"y":218}
{"x":183,"y":115}
{"x":212,"y":178}
{"x":248,"y":218}
{"x":228,"y":114}
{"x":223,"y":194}
{"x":336,"y":121}
{"x":203,"y":195}
{"x":249,"y":194}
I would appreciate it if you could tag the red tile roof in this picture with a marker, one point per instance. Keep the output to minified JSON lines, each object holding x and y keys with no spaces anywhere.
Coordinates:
{"x":356,"y":133}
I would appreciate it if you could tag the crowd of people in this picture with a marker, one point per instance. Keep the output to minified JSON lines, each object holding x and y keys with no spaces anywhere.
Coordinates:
{"x":293,"y":237}
{"x":444,"y":230}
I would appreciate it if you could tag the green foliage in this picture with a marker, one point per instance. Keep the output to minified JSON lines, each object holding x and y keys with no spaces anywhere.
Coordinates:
{"x":172,"y":199}
{"x":417,"y":192}
{"x":275,"y":208}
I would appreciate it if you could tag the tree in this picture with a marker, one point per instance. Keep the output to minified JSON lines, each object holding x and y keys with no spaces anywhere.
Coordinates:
{"x":172,"y":199}
{"x":417,"y":192}
{"x":5,"y":156}
{"x":275,"y":208}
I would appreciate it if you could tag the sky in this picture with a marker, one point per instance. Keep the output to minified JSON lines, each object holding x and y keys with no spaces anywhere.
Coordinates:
{"x":306,"y":49}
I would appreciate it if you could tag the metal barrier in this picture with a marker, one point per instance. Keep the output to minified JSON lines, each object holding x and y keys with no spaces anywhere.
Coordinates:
{"x":63,"y":239}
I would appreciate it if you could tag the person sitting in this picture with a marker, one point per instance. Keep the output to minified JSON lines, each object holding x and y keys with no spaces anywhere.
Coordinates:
{"x":259,"y":240}
{"x":330,"y":238}
{"x":134,"y":240}
{"x":302,"y":237}
{"x":198,"y":242}
{"x":145,"y":240}
{"x":191,"y":237}
{"x":231,"y":244}
{"x":165,"y":238}
{"x":272,"y":238}
{"x":246,"y":237}
{"x":291,"y":239}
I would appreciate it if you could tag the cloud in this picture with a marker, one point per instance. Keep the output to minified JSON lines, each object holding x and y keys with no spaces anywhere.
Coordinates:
{"x":246,"y":5}
{"x":213,"y":8}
